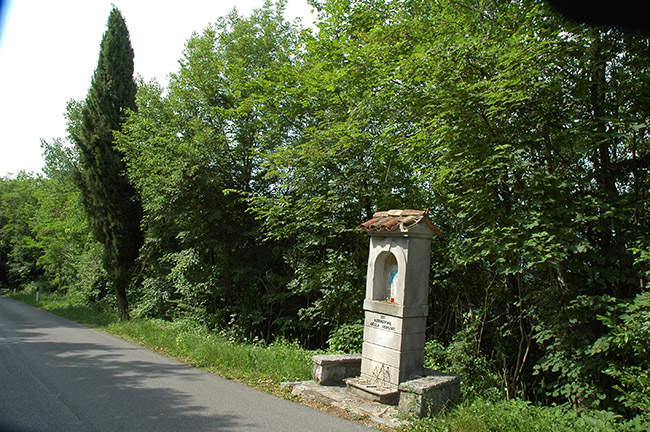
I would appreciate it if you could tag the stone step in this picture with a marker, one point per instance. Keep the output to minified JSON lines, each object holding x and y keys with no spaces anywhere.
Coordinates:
{"x":373,"y":390}
{"x":341,"y":397}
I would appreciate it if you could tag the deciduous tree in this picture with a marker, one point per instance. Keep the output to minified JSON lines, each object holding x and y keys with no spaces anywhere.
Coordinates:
{"x":195,"y":154}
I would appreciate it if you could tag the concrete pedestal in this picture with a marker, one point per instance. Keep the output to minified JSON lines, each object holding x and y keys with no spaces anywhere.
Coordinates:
{"x":393,"y":342}
{"x":333,"y":369}
{"x":396,"y":307}
{"x":428,"y":395}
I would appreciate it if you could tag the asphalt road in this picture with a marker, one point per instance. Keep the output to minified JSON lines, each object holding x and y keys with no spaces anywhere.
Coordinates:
{"x":56,"y":375}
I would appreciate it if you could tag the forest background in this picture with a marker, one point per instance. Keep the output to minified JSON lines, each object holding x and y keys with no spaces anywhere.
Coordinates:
{"x":526,"y":136}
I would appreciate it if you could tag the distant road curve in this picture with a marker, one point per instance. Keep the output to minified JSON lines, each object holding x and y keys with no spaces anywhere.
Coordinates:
{"x":56,"y":375}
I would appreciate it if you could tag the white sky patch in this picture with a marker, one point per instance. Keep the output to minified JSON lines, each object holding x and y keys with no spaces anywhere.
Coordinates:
{"x":49,"y":52}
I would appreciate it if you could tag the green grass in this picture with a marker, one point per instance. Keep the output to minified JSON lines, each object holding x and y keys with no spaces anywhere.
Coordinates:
{"x":265,"y":366}
{"x":68,"y":308}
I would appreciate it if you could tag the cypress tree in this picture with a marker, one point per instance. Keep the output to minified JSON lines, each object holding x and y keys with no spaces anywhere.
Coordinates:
{"x":111,"y":202}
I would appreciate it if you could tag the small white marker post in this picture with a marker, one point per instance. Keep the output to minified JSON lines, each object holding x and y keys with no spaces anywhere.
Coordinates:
{"x":38,"y":292}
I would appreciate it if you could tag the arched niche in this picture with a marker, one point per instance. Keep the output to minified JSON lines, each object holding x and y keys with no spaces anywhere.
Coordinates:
{"x":386,"y":277}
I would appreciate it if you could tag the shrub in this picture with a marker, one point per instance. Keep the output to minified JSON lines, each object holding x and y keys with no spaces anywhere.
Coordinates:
{"x":347,"y":338}
{"x":629,"y":338}
{"x":462,"y":357}
{"x":481,"y":415}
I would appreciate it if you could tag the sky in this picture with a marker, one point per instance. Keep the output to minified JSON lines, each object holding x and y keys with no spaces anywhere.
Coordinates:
{"x":49,"y":51}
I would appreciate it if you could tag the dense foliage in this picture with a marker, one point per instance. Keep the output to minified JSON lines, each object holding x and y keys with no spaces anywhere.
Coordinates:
{"x":526,"y":136}
{"x":46,"y":240}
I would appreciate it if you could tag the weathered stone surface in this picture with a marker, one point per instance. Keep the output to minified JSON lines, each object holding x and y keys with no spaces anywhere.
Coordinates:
{"x":390,"y":366}
{"x":373,"y":369}
{"x":394,"y":323}
{"x":332,"y":369}
{"x":373,"y":390}
{"x":428,"y":395}
{"x":390,"y":339}
{"x":396,"y":302}
{"x":343,"y":398}
{"x":394,"y":309}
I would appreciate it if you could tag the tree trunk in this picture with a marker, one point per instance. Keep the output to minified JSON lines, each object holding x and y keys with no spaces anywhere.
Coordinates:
{"x":612,"y":241}
{"x":121,"y":281}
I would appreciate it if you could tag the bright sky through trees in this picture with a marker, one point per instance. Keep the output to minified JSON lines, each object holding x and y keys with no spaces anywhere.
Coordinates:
{"x":48,"y":53}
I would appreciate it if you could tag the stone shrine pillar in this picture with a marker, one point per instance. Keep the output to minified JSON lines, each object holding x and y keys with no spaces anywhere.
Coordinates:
{"x":396,"y":303}
{"x":389,"y":371}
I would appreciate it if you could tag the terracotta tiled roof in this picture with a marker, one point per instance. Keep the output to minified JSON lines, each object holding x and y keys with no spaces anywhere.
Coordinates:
{"x":392,"y":220}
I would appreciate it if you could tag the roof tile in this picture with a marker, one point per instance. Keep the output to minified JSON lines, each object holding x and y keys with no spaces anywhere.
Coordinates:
{"x":393,"y":220}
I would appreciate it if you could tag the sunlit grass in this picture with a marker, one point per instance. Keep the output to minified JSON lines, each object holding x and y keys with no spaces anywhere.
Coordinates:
{"x":68,"y":308}
{"x":253,"y":363}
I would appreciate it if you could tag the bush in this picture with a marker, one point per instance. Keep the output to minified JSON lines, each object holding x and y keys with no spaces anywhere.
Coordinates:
{"x":154,"y":299}
{"x":462,"y":357}
{"x":481,"y":415}
{"x":347,"y":338}
{"x":629,"y":338}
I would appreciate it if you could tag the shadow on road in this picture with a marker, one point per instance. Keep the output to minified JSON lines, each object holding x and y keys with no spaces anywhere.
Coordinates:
{"x":100,"y":384}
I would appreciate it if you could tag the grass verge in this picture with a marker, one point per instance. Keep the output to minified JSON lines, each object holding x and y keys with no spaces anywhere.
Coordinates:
{"x":68,"y":308}
{"x":264,"y":366}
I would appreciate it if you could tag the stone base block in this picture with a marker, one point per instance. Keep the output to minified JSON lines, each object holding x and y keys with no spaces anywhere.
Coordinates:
{"x":373,"y":390}
{"x":430,"y":394}
{"x":333,"y":369}
{"x":343,"y":398}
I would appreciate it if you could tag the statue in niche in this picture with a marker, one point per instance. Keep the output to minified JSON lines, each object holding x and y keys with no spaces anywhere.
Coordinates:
{"x":390,"y":278}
